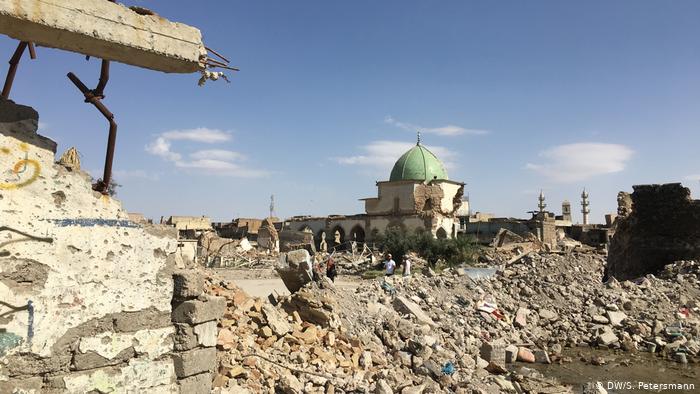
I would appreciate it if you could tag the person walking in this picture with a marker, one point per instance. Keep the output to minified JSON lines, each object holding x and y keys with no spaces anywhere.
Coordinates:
{"x":389,"y":265}
{"x":406,"y":266}
{"x":331,"y":271}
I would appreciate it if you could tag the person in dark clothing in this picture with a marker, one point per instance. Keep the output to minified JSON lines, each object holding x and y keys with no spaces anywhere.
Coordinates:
{"x":331,"y":271}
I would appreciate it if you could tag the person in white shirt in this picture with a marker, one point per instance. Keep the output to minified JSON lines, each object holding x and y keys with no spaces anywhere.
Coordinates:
{"x":406,"y":266}
{"x":389,"y":265}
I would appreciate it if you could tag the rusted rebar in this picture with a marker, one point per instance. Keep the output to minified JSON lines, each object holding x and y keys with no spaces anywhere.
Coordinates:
{"x":94,"y":97}
{"x":217,"y":54}
{"x":32,"y":51}
{"x":14,"y":62}
{"x":104,"y":78}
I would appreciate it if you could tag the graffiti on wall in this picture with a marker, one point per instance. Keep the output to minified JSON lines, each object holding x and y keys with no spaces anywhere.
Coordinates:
{"x":24,"y":172}
{"x":10,"y":340}
{"x":85,"y":222}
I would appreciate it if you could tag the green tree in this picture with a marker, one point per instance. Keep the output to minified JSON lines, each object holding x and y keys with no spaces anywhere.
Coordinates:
{"x":452,"y":251}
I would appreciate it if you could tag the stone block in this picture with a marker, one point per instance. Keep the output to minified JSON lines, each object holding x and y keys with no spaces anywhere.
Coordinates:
{"x":187,"y":285}
{"x":403,"y":305}
{"x":184,"y":338}
{"x":206,"y":333}
{"x":105,"y":30}
{"x":197,"y":384}
{"x":548,"y":315}
{"x":525,"y":355}
{"x":494,"y":352}
{"x":198,"y":311}
{"x":521,"y":317}
{"x":297,"y":257}
{"x":616,"y":318}
{"x":511,"y":353}
{"x":276,"y":320}
{"x":606,"y":338}
{"x":541,"y":356}
{"x":195,"y":361}
{"x":383,"y":387}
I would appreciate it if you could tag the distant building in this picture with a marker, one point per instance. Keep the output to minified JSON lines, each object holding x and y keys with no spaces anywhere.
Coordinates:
{"x":241,"y":227}
{"x":138,"y":218}
{"x":418,"y":196}
{"x":190,"y":227}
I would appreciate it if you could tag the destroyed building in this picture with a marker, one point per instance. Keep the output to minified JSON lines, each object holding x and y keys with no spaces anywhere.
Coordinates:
{"x":657,"y":225}
{"x":418,"y":196}
{"x":86,"y":294}
{"x":241,"y":227}
{"x":189,"y":226}
{"x":545,"y":225}
{"x":89,"y":299}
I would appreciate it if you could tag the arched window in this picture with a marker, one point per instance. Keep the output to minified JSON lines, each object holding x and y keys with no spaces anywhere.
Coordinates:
{"x":357,"y":234}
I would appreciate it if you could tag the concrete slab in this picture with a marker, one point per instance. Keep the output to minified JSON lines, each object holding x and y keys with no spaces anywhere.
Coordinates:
{"x":105,"y":30}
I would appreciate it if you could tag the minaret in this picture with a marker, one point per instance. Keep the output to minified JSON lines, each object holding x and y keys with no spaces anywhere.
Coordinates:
{"x":541,"y":204}
{"x":418,"y":141}
{"x":585,"y":210}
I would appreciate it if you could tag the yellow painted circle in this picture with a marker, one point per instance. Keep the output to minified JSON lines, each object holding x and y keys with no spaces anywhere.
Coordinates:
{"x":16,"y":168}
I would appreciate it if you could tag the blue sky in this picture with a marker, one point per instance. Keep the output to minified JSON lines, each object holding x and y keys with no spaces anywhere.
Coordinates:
{"x":514,"y":96}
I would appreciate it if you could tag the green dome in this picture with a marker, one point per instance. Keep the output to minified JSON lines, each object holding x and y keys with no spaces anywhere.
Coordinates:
{"x":418,"y":164}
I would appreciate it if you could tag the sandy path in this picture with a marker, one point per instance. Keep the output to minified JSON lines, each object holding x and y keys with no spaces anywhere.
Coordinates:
{"x":261,"y":287}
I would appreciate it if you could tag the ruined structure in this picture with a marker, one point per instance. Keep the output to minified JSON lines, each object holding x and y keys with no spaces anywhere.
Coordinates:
{"x":190,"y":226}
{"x":106,"y":30}
{"x":660,"y":227}
{"x":417,"y":196}
{"x":566,"y":211}
{"x":268,"y":236}
{"x":85,"y":293}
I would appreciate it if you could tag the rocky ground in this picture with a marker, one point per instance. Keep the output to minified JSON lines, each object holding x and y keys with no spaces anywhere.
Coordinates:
{"x":448,"y":333}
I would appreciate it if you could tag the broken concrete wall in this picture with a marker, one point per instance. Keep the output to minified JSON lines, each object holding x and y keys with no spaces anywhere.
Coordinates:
{"x":268,"y":237}
{"x":85,"y":292}
{"x":195,"y":316}
{"x":484,"y":231}
{"x":105,"y":30}
{"x":662,"y":227}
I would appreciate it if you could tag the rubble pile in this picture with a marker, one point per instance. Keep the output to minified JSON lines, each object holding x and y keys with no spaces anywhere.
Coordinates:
{"x":446,"y":332}
{"x":219,"y":252}
{"x":550,"y":301}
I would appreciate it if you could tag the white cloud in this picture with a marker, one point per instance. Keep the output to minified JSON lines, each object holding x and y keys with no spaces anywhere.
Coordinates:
{"x":43,"y":126}
{"x":161,"y":147}
{"x":693,"y":177}
{"x":221,"y":167}
{"x":208,"y":161}
{"x":382,"y":155}
{"x":581,"y":161}
{"x":199,"y":134}
{"x":216,"y":154}
{"x":448,"y":130}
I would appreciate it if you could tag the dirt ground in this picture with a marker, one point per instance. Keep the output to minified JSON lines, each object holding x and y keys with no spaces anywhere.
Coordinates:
{"x":261,"y":283}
